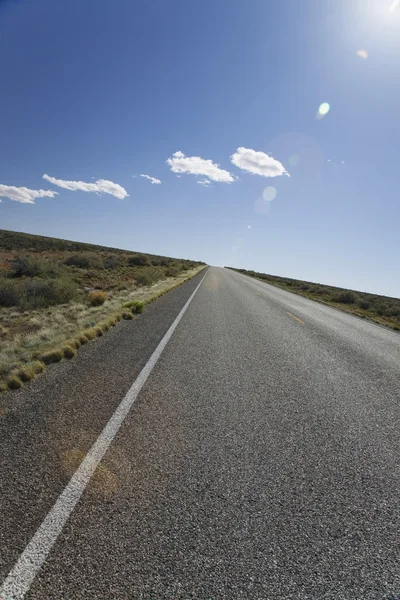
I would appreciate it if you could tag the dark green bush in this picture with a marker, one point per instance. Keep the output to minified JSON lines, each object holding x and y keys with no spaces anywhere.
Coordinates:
{"x":139,"y":260}
{"x":10,"y":292}
{"x":345,"y":298}
{"x":173,"y":270}
{"x":32,"y":266}
{"x":40,"y":293}
{"x":85,"y":260}
{"x":114,"y":261}
{"x":147,"y":276}
{"x":364,"y":304}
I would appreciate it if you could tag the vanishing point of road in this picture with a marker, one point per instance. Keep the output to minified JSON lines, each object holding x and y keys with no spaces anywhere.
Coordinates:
{"x":233,"y":442}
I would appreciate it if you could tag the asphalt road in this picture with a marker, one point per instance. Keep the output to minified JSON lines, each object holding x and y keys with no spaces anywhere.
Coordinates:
{"x":260,"y":459}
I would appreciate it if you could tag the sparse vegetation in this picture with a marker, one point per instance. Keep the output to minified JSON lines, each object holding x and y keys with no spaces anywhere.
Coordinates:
{"x":380,"y":309}
{"x":56,"y":295}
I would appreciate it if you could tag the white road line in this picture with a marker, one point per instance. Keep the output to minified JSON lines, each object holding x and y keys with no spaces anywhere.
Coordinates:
{"x":23,"y":573}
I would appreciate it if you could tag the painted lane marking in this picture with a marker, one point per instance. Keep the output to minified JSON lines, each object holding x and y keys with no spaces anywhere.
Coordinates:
{"x":297,"y":319}
{"x":20,"y":578}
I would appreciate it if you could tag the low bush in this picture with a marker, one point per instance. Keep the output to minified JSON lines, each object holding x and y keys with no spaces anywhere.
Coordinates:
{"x":147,"y":276}
{"x":173,"y":270}
{"x":40,"y":293}
{"x":127,"y":315}
{"x":364,"y":304}
{"x":139,"y":260}
{"x":344,"y":298}
{"x":97,"y":298}
{"x":113,"y":261}
{"x":85,"y":260}
{"x":10,"y":292}
{"x":33,"y":266}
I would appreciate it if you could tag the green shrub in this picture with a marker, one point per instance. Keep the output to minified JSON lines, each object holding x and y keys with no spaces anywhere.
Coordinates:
{"x":10,"y":292}
{"x":85,"y":260}
{"x":127,"y":314}
{"x":33,"y":266}
{"x":14,"y":382}
{"x":97,"y":298}
{"x":173,"y":270}
{"x":140,"y":260}
{"x":113,"y":261}
{"x":147,"y":276}
{"x":40,"y":293}
{"x":364,"y":304}
{"x":345,"y":298}
{"x":52,"y":356}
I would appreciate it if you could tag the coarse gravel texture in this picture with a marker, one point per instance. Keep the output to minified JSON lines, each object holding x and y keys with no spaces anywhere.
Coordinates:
{"x":261,"y":459}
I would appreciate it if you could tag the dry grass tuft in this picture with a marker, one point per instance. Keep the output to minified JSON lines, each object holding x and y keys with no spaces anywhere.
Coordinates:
{"x":97,"y":298}
{"x":14,"y":382}
{"x":52,"y":356}
{"x":68,"y":351}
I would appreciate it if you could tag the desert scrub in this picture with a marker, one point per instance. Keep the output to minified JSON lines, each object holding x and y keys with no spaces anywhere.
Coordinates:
{"x":85,"y":260}
{"x":97,"y":298}
{"x":380,"y":309}
{"x":140,"y":260}
{"x":33,"y":293}
{"x":136,"y":306}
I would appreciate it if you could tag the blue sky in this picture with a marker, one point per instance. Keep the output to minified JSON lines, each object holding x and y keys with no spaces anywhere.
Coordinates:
{"x":97,"y":90}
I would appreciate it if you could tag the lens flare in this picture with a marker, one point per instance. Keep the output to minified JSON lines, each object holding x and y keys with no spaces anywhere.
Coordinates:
{"x":323,"y":109}
{"x":393,"y":6}
{"x":269,"y":193}
{"x":362,"y":54}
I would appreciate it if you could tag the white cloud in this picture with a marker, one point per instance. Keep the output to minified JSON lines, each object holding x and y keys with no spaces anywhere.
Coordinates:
{"x":101,"y":186}
{"x":151,"y":179}
{"x":258,"y":163}
{"x":205,"y":182}
{"x":194,"y":165}
{"x":23,"y":194}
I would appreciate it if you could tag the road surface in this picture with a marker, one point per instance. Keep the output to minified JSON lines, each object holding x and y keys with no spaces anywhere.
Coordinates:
{"x":259,"y":460}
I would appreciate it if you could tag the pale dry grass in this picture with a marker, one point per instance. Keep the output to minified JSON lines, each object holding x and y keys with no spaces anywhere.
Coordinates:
{"x":26,"y":335}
